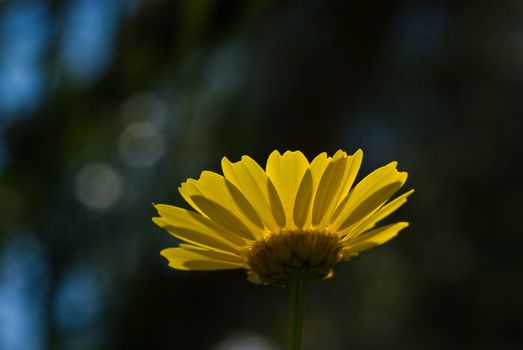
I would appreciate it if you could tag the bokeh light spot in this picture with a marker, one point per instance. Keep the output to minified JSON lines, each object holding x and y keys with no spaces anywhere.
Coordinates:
{"x":144,"y":107}
{"x":141,"y":145}
{"x":23,"y":284}
{"x":98,"y":186}
{"x":245,"y":341}
{"x":78,"y":300}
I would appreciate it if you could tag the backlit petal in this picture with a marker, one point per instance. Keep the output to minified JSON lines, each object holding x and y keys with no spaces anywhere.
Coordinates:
{"x":367,"y":196}
{"x":197,"y":229}
{"x":307,"y":191}
{"x":192,"y":258}
{"x":217,"y":198}
{"x":381,"y":214}
{"x":329,"y":189}
{"x":372,"y":238}
{"x":334,"y":186}
{"x":286,"y":173}
{"x":254,"y":183}
{"x":353,"y":166}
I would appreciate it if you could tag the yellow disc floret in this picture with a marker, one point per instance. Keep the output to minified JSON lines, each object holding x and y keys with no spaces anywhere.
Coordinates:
{"x":272,"y":260}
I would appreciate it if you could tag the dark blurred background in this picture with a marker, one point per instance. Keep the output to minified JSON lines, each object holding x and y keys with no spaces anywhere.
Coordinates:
{"x":106,"y":106}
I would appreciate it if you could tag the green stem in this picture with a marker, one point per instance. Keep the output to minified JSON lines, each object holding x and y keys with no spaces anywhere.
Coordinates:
{"x":296,"y":299}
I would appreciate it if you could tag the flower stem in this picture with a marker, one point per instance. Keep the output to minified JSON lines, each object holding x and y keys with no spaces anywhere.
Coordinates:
{"x":296,"y":299}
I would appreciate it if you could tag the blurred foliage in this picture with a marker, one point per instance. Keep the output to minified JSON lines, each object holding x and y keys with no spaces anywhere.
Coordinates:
{"x":106,"y":107}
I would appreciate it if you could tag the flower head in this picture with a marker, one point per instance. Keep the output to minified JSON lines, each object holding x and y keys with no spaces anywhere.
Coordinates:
{"x":292,"y":216}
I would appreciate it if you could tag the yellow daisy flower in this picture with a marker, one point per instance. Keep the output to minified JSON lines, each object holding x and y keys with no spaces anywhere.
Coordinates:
{"x":292,"y":216}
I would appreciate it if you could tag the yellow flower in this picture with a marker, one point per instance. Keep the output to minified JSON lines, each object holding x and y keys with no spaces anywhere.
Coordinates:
{"x":292,"y":216}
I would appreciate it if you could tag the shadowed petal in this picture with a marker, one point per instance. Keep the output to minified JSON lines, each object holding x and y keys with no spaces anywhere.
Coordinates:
{"x":367,"y":196}
{"x":193,"y":258}
{"x":254,"y":183}
{"x":372,"y":238}
{"x":308,"y":189}
{"x":286,"y":173}
{"x":217,"y":198}
{"x":197,"y":229}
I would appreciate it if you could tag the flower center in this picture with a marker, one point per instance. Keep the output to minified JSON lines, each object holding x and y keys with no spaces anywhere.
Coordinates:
{"x":272,"y":259}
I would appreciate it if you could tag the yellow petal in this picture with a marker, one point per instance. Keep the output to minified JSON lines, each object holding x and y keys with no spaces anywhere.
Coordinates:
{"x":330,"y":188}
{"x":218,"y":199}
{"x":381,"y":214}
{"x":307,"y":191}
{"x":369,"y":205}
{"x":339,"y":184}
{"x":372,"y":238}
{"x":223,"y":217}
{"x":253,"y":182}
{"x":286,"y":173}
{"x":197,"y":229}
{"x":367,"y":196}
{"x":188,"y":187}
{"x":353,"y":166}
{"x":193,"y":258}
